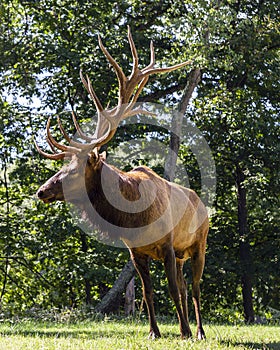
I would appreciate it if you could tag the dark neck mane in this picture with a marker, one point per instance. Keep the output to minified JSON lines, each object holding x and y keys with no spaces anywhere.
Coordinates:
{"x":113,"y":194}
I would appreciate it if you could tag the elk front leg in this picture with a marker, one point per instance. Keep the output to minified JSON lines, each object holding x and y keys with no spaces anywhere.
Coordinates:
{"x":197,"y":262}
{"x":141,"y":264}
{"x":171,"y":273}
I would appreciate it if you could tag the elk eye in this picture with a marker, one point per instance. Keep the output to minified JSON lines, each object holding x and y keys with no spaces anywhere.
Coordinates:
{"x":73,"y":171}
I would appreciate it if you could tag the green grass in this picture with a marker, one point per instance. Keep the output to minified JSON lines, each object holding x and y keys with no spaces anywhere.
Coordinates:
{"x":130,"y":334}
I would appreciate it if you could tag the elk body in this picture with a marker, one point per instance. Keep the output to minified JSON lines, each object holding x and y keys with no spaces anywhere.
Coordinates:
{"x":157,"y":219}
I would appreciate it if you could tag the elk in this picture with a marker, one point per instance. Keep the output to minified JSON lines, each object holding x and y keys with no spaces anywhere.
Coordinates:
{"x":172,"y":224}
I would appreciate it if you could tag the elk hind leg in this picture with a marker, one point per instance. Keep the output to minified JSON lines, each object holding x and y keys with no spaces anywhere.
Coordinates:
{"x":197,"y":262}
{"x":182,"y":285}
{"x":171,"y":273}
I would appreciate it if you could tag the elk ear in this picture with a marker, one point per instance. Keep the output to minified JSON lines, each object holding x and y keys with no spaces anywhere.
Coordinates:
{"x":93,"y":157}
{"x":102,"y":155}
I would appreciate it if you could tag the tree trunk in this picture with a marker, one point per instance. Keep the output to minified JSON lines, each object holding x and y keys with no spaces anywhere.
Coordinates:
{"x":7,"y":216}
{"x":244,"y":248}
{"x":84,"y":249}
{"x":170,"y":165}
{"x":129,"y":305}
{"x":111,"y":300}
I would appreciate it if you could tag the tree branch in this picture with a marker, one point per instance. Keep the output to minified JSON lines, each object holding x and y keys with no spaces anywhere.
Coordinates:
{"x":160,"y":93}
{"x":177,"y":120}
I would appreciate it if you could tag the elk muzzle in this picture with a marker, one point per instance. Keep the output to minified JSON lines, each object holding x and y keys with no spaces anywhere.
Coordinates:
{"x":51,"y":190}
{"x":47,"y":195}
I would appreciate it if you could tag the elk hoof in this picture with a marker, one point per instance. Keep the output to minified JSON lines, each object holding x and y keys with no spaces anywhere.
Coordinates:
{"x":154,"y":335}
{"x":201,"y":335}
{"x":186,"y":335}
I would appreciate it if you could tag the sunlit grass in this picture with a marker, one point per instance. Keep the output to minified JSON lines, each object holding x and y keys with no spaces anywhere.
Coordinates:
{"x":130,"y":334}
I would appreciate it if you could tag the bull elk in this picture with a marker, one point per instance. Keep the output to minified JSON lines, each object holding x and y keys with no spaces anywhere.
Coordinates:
{"x":173,"y":223}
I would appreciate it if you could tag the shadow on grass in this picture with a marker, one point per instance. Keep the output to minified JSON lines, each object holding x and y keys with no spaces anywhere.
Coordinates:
{"x":95,"y":334}
{"x":85,"y":334}
{"x":80,"y":332}
{"x":252,"y":345}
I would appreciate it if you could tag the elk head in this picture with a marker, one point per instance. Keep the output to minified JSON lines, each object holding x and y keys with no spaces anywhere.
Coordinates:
{"x":84,"y":157}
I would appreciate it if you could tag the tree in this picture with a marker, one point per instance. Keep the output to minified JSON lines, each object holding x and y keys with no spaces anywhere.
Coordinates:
{"x":242,"y":112}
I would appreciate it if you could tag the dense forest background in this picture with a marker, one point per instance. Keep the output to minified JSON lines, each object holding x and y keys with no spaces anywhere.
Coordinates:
{"x":46,"y":261}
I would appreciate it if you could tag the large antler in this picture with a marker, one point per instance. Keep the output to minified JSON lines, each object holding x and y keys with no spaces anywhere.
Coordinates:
{"x":109,"y":119}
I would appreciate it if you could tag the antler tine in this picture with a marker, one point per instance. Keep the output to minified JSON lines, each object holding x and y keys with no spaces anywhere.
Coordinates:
{"x":93,"y":142}
{"x":79,"y":130}
{"x":77,"y":147}
{"x":150,"y":68}
{"x":128,"y":110}
{"x":56,"y":156}
{"x":138,"y":110}
{"x":64,"y":133}
{"x":146,"y":72}
{"x":54,"y":143}
{"x":54,"y":151}
{"x":134,"y":53}
{"x":89,"y":88}
{"x":102,"y":114}
{"x":75,"y":144}
{"x":98,"y":142}
{"x":120,"y":74}
{"x":153,"y":58}
{"x":140,"y":88}
{"x":68,"y":151}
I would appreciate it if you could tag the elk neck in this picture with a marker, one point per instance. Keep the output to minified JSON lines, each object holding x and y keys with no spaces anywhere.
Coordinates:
{"x":108,"y":181}
{"x":105,"y":186}
{"x":122,"y":200}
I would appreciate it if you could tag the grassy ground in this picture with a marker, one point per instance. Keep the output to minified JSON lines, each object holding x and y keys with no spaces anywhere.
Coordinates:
{"x":130,"y":334}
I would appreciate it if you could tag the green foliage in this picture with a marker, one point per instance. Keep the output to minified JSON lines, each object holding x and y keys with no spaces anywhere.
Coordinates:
{"x":46,"y":261}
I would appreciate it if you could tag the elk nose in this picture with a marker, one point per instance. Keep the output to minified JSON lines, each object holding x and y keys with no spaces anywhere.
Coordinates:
{"x":40,"y":194}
